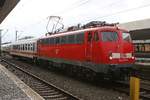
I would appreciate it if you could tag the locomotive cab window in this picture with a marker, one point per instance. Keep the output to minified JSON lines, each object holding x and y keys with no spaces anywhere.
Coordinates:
{"x":126,"y":37}
{"x":96,"y":36}
{"x":109,"y":36}
{"x":89,"y":38}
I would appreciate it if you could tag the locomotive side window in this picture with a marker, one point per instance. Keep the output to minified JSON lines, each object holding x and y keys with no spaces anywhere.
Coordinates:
{"x":96,"y":36}
{"x":109,"y":36}
{"x":80,"y":38}
{"x":51,"y":41}
{"x":47,"y":41}
{"x":89,"y":36}
{"x":57,"y":40}
{"x":25,"y":46}
{"x":63,"y":39}
{"x":71,"y":38}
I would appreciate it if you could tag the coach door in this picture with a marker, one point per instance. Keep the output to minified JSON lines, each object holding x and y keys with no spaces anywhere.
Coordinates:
{"x":89,"y":36}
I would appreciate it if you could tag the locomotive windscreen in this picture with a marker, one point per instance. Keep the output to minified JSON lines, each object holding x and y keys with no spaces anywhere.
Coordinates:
{"x":109,"y":36}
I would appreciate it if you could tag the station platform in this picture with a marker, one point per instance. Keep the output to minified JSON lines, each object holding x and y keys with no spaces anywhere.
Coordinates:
{"x":12,"y":88}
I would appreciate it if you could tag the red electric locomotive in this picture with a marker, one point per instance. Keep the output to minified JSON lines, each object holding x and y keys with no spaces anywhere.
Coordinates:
{"x":98,"y":47}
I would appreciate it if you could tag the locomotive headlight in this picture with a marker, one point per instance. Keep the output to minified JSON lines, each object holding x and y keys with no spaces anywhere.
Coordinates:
{"x":110,"y":57}
{"x":133,"y":57}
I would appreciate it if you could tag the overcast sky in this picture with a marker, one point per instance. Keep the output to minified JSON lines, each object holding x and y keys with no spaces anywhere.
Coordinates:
{"x":29,"y":17}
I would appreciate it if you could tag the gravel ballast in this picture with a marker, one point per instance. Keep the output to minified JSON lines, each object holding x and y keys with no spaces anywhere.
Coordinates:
{"x":79,"y":88}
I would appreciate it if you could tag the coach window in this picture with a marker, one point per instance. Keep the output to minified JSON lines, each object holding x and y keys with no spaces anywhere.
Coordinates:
{"x":80,"y":38}
{"x":89,"y":36}
{"x":19,"y":47}
{"x":22,"y":46}
{"x":33,"y":46}
{"x":16,"y":47}
{"x":13,"y":46}
{"x":96,"y":36}
{"x":25,"y":46}
{"x":29,"y":46}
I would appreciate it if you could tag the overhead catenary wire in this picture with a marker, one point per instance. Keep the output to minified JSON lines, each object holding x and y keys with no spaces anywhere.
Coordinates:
{"x":78,"y":4}
{"x":119,"y":12}
{"x":75,"y":5}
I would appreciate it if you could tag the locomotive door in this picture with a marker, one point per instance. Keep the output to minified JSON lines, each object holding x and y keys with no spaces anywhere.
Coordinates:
{"x":96,"y":49}
{"x":89,"y":36}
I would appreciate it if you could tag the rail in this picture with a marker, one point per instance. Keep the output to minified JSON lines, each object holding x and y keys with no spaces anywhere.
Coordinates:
{"x":42,"y":87}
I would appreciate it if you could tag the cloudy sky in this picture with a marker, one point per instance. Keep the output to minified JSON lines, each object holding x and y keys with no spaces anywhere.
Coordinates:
{"x":30,"y":17}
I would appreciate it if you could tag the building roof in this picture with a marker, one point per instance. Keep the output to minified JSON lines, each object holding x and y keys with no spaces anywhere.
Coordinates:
{"x":140,"y":30}
{"x":6,"y":7}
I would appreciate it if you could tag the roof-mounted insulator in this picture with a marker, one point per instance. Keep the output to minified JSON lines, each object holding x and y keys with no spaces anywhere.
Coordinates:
{"x":98,"y":24}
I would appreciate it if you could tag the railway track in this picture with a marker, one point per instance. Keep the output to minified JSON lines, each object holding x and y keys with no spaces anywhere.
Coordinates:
{"x":46,"y":90}
{"x":119,"y":86}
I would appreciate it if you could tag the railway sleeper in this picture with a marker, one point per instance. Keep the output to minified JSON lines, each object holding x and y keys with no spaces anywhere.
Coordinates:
{"x":48,"y":93}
